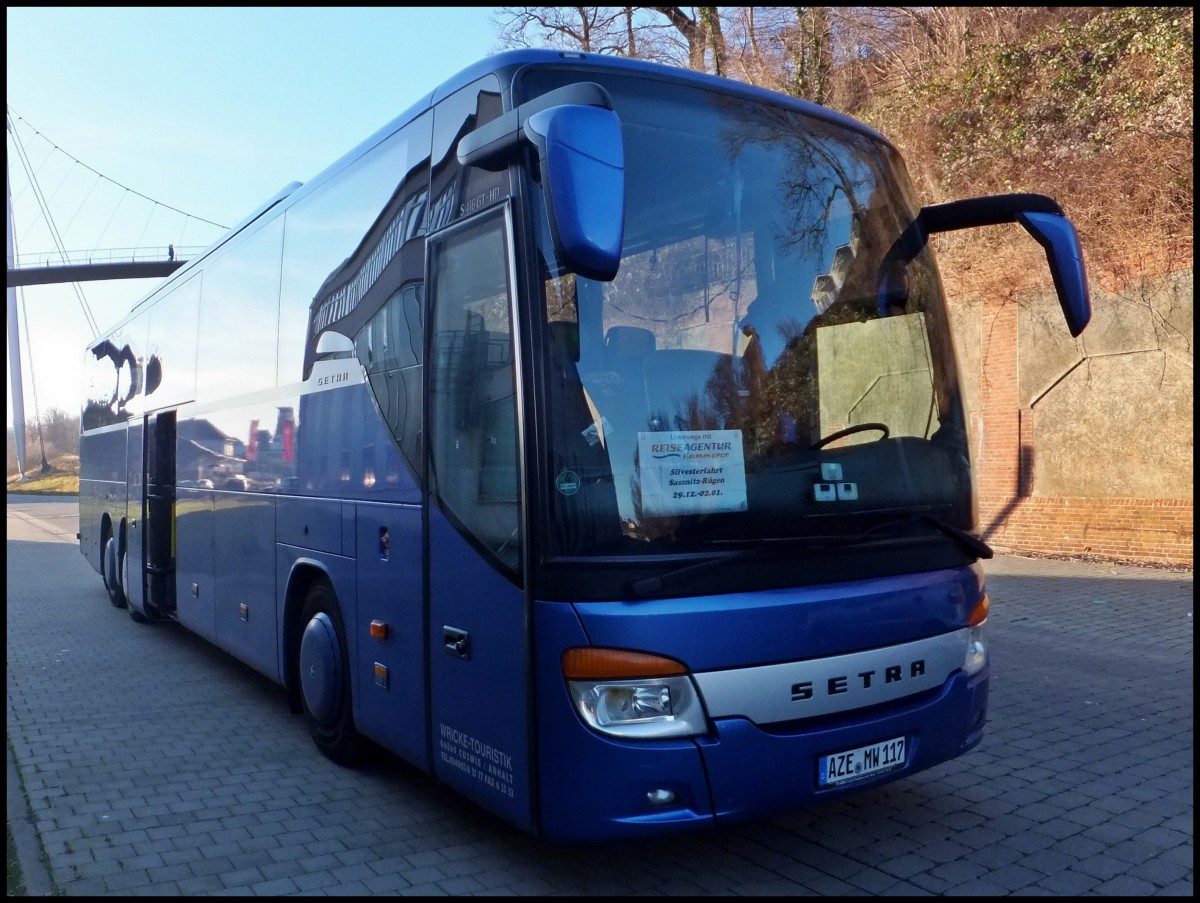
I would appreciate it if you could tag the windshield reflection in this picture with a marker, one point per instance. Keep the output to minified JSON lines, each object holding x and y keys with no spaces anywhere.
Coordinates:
{"x":760,"y":358}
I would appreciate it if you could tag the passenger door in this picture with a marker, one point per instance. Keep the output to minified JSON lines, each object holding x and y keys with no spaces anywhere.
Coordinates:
{"x":479,"y":675}
{"x":158,"y":513}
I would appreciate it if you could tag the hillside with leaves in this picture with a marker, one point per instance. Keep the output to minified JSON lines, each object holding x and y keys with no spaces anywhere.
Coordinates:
{"x":1091,"y":105}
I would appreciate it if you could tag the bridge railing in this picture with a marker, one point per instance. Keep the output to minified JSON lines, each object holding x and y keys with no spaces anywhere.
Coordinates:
{"x":106,"y":255}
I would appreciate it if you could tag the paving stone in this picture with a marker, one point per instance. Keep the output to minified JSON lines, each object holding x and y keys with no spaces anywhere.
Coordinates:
{"x":1082,"y":786}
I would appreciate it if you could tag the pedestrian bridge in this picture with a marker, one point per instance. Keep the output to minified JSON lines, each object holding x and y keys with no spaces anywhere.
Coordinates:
{"x":88,"y":266}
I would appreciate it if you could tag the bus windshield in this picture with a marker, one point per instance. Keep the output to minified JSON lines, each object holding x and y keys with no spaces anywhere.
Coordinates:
{"x":773,"y":359}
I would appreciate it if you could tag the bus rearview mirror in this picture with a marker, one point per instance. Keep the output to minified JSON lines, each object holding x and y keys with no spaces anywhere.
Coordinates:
{"x":332,"y":342}
{"x":583,"y":175}
{"x":1046,"y":222}
{"x":1058,"y":237}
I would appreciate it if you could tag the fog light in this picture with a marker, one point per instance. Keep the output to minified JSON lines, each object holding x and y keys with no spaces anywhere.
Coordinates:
{"x":977,"y":650}
{"x":660,"y":797}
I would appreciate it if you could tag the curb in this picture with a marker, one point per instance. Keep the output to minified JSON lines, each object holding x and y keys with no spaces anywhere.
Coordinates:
{"x":26,"y":842}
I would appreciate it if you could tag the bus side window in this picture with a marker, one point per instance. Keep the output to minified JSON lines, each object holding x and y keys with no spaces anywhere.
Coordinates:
{"x":474,"y":442}
{"x":389,"y":348}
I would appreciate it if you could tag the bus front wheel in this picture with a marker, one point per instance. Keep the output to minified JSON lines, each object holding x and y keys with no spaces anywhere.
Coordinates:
{"x":324,"y":665}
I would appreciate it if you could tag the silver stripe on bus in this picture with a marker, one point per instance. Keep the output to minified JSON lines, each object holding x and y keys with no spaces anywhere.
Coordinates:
{"x":785,"y":692}
{"x":325,"y":376}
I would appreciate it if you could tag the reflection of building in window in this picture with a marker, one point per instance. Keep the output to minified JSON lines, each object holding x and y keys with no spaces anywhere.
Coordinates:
{"x":206,"y":453}
{"x":256,"y":436}
{"x":472,"y":389}
{"x":270,"y":458}
{"x":389,"y":347}
{"x":285,"y":434}
{"x":353,"y":292}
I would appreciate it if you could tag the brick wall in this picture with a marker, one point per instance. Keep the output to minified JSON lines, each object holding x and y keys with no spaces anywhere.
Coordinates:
{"x":1125,"y":529}
{"x":1140,"y":530}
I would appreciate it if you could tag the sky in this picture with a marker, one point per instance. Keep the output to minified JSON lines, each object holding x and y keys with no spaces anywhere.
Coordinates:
{"x":139,"y":124}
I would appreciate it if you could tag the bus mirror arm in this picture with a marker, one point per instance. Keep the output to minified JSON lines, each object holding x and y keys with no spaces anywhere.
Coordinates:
{"x":493,"y":144}
{"x":581,"y":156}
{"x":1043,"y":219}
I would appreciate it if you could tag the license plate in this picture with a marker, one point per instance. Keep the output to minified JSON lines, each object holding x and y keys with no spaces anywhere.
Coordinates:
{"x":854,"y":764}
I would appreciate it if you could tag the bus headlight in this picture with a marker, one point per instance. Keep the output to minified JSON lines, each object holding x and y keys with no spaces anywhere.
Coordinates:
{"x":976,"y":650}
{"x":977,"y":654}
{"x":633,"y":694}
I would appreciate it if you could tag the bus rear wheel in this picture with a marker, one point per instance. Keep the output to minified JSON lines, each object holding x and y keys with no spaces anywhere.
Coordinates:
{"x":324,"y":666}
{"x":112,"y":572}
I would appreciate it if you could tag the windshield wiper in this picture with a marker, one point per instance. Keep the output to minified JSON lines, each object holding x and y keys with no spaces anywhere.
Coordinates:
{"x":768,"y":547}
{"x":659,"y":582}
{"x":764,"y":548}
{"x":969,"y":541}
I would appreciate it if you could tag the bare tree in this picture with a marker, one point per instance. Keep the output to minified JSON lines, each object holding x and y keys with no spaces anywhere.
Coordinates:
{"x":60,"y":431}
{"x":692,"y":37}
{"x":903,"y":44}
{"x":592,"y":29}
{"x":811,"y":54}
{"x":756,"y":45}
{"x":701,"y":31}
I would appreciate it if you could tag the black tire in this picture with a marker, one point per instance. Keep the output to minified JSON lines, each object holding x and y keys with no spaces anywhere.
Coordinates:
{"x":123,"y":570}
{"x":112,"y":572}
{"x":323,"y":663}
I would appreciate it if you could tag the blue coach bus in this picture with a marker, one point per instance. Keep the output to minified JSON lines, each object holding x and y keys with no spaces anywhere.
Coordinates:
{"x":590,"y":436}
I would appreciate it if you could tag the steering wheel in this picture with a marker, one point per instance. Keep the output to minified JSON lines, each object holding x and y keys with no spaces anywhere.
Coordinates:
{"x":850,"y":430}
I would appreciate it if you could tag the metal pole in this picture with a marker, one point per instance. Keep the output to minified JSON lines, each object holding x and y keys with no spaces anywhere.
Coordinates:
{"x":14,"y":332}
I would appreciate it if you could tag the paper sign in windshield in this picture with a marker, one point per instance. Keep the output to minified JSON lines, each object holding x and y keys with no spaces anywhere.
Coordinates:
{"x":698,"y":472}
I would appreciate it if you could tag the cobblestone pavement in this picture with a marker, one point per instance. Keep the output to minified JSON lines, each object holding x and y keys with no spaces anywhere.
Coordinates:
{"x":152,"y":763}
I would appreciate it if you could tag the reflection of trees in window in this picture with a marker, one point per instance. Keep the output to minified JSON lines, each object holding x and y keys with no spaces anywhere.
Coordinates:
{"x":822,"y":170}
{"x":126,"y":381}
{"x":686,"y":292}
{"x":153,"y":374}
{"x":472,"y":391}
{"x":841,"y":213}
{"x":790,"y":391}
{"x":561,"y":303}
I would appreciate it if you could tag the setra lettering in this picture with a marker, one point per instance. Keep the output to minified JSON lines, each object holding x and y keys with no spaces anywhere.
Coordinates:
{"x":840,"y":683}
{"x":334,"y":378}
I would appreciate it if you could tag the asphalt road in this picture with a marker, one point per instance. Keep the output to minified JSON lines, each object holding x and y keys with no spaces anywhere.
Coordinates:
{"x":144,"y":761}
